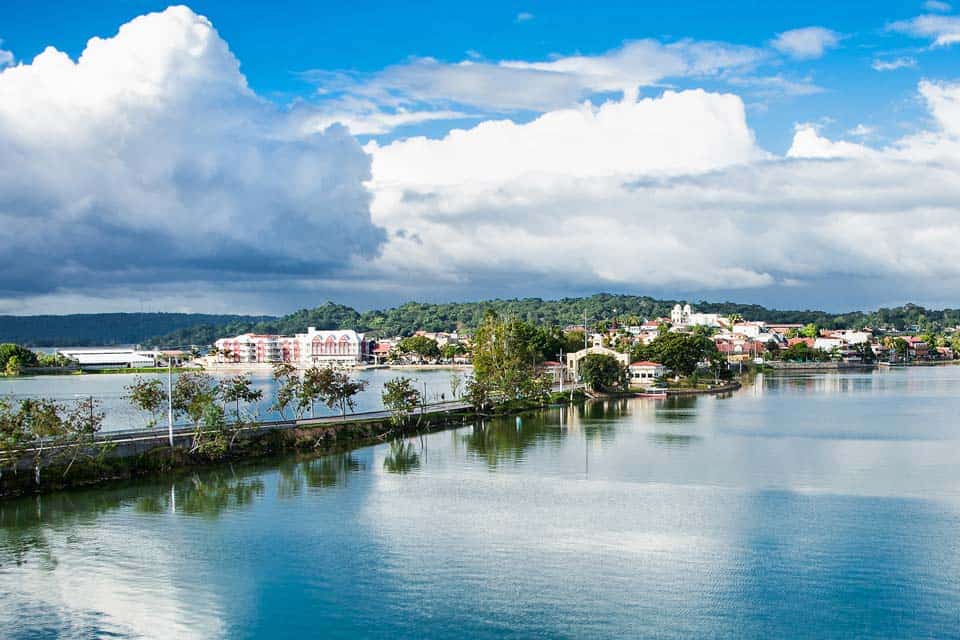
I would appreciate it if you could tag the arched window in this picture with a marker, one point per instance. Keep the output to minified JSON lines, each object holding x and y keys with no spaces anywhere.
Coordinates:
{"x":344,"y":345}
{"x":317,"y":347}
{"x":331,"y":346}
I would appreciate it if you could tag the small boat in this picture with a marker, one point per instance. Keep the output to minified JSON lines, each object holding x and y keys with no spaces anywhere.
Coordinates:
{"x":653,"y":392}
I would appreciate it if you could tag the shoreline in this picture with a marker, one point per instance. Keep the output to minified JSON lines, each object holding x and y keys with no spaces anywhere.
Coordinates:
{"x":123,"y":456}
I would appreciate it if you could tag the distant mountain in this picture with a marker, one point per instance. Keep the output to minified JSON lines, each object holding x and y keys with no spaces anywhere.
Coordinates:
{"x":86,"y":329}
{"x":409,"y":317}
{"x":183,"y":329}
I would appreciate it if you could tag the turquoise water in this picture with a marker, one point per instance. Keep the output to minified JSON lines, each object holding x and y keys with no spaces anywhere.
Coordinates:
{"x":802,"y":507}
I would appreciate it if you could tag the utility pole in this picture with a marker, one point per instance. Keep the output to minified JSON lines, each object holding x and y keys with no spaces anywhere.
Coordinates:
{"x":560,"y":355}
{"x":170,"y":398}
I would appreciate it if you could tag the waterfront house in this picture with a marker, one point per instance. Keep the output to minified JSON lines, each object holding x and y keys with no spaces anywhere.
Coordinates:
{"x":574,"y":359}
{"x":645,"y":372}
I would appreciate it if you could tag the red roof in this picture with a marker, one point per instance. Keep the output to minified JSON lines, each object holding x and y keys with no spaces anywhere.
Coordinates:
{"x":645,"y":363}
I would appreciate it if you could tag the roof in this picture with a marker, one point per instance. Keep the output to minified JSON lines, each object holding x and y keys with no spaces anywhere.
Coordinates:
{"x":645,"y":363}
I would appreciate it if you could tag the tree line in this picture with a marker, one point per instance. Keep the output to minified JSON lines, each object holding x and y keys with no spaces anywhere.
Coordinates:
{"x":600,"y":310}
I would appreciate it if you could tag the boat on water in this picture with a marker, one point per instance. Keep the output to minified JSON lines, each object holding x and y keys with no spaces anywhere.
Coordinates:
{"x":653,"y":392}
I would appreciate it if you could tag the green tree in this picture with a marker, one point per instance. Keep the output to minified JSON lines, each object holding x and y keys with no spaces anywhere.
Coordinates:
{"x":681,"y":352}
{"x":602,"y":372}
{"x":573,"y":341}
{"x":456,"y":385}
{"x":810,"y":331}
{"x":239,"y":389}
{"x":148,"y":396}
{"x":288,"y":389}
{"x":336,"y":389}
{"x":195,"y":396}
{"x":401,"y":398}
{"x":25,"y":357}
{"x":504,"y":361}
{"x":451,"y":350}
{"x":14,"y":366}
{"x":902,"y":348}
{"x":422,"y":346}
{"x":192,"y":393}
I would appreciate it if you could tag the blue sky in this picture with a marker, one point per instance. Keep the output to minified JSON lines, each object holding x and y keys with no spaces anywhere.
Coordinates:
{"x":277,"y":44}
{"x":796,"y":154}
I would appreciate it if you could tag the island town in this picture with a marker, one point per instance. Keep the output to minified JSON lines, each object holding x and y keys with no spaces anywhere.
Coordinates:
{"x":632,"y":342}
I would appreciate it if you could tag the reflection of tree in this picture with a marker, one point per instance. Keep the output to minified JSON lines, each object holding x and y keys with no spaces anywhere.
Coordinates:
{"x":322,"y":471}
{"x":674,"y":439}
{"x":216,"y":492}
{"x":328,"y":471}
{"x":677,"y":409}
{"x":507,"y":438}
{"x":403,"y":457}
{"x":600,"y":417}
{"x":24,"y":522}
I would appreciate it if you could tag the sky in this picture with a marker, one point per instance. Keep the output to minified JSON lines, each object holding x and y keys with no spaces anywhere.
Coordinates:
{"x":239,"y":157}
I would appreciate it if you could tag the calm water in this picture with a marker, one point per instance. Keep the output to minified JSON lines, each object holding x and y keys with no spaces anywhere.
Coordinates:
{"x":109,"y":390}
{"x":821,"y":506}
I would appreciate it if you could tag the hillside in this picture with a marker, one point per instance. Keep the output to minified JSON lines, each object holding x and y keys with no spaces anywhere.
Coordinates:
{"x":409,"y":317}
{"x":85,"y":329}
{"x":181,"y":329}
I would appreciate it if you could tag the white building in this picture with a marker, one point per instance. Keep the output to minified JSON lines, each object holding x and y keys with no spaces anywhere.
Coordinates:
{"x":111,"y":358}
{"x":339,"y":347}
{"x":750,"y":329}
{"x":573,"y":359}
{"x":645,"y":372}
{"x":827,"y":344}
{"x":852,"y":337}
{"x":687,"y":317}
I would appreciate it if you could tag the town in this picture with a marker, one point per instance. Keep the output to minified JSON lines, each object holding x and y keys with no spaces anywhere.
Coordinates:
{"x":739,"y":341}
{"x":627,"y":339}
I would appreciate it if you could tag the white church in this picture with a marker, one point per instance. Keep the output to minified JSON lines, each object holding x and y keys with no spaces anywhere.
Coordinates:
{"x":685,"y":316}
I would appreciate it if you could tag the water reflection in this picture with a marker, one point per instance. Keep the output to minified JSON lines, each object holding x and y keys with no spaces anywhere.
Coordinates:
{"x":674,"y":439}
{"x":316,"y":473}
{"x":207,"y":495}
{"x":506,"y":439}
{"x":677,"y":409}
{"x":727,"y":518}
{"x":403,"y":457}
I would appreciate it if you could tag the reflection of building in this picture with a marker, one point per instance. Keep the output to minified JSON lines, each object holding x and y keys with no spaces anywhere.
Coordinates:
{"x":645,"y":372}
{"x":573,"y":359}
{"x":345,"y":347}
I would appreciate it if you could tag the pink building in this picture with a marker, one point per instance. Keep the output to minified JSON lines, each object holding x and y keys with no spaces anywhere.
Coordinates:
{"x":343,"y":347}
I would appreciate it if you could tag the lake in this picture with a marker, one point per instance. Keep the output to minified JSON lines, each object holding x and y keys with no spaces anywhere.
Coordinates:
{"x":109,"y":390}
{"x":803,"y":506}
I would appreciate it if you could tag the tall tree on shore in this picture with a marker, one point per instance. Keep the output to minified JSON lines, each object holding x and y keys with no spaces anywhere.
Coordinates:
{"x":148,"y":396}
{"x":239,"y":389}
{"x":401,"y":398}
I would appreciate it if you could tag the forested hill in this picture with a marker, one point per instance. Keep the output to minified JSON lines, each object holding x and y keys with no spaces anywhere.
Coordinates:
{"x":78,"y":330}
{"x":407,"y":318}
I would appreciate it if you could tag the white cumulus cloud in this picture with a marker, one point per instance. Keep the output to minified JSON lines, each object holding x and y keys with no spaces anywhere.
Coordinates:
{"x":150,"y":159}
{"x":942,"y":30}
{"x":6,"y":57}
{"x":936,"y":5}
{"x":806,"y":43}
{"x":903,"y":62}
{"x":426,"y":86}
{"x":669,"y":193}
